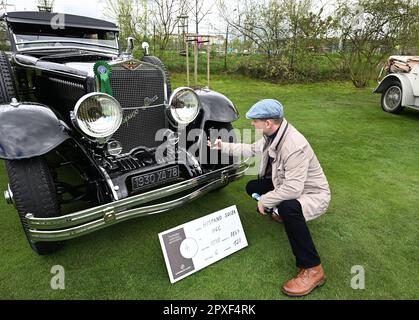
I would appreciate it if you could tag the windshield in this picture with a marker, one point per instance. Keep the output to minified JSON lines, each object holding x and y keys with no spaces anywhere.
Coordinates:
{"x":45,"y":37}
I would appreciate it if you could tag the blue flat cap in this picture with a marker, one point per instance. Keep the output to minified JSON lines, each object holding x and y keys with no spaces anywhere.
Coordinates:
{"x":266,"y":109}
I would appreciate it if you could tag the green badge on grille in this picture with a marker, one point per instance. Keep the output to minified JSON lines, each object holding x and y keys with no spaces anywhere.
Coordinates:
{"x":103,"y":71}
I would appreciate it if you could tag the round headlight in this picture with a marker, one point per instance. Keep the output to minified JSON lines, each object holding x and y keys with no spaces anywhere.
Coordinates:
{"x":98,"y":115}
{"x":184,"y":106}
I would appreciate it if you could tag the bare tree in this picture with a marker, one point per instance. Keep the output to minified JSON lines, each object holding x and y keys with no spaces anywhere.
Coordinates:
{"x":294,"y":13}
{"x":199,"y":12}
{"x":286,"y":32}
{"x":4,"y":4}
{"x":45,"y":5}
{"x":371,"y":30}
{"x":262,"y":22}
{"x":130,"y":16}
{"x":166,"y":18}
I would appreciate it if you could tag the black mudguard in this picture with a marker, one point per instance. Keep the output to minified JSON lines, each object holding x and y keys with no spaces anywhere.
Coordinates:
{"x":29,"y":130}
{"x":217,"y":107}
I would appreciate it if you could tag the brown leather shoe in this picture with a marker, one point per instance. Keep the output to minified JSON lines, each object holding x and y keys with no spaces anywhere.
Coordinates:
{"x":305,"y":282}
{"x":277,"y":218}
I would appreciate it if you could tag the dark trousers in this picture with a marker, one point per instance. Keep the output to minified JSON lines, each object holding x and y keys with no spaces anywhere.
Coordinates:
{"x":291,"y":212}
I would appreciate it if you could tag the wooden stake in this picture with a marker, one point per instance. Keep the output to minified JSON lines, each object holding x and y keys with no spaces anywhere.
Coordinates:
{"x":208,"y":62}
{"x":196,"y":61}
{"x":187,"y":63}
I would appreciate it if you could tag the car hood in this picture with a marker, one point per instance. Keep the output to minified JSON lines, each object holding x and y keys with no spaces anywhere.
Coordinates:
{"x":85,"y":67}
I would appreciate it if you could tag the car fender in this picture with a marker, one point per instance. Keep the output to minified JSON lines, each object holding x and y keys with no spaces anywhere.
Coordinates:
{"x":29,"y":130}
{"x":408,"y":98}
{"x":217,"y":107}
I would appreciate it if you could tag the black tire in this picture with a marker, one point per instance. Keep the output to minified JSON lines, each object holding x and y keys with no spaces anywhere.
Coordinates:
{"x":156,"y":61}
{"x":34,"y":192}
{"x":391,"y":98}
{"x":231,"y":159}
{"x":7,"y":83}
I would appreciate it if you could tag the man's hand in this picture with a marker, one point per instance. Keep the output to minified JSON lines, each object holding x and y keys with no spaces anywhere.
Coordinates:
{"x":261,"y":209}
{"x":217,"y":144}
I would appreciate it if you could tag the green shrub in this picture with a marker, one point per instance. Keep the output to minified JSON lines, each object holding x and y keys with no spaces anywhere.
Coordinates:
{"x":312,"y":68}
{"x":280,"y":70}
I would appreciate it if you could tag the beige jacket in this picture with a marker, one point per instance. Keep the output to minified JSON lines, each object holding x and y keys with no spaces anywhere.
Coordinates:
{"x":296,"y":172}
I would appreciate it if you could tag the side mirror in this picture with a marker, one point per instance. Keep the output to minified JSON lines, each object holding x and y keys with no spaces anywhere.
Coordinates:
{"x":145,"y":47}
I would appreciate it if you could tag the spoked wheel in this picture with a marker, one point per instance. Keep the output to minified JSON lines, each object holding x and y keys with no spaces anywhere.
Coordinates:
{"x":391,"y":100}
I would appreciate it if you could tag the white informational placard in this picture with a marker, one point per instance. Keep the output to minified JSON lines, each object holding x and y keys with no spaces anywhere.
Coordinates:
{"x":204,"y":241}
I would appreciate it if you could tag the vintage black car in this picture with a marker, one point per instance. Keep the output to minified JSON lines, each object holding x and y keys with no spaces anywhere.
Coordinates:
{"x":80,"y":129}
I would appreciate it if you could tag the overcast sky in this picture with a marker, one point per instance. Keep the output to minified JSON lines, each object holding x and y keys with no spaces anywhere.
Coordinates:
{"x":95,"y":8}
{"x":91,"y":8}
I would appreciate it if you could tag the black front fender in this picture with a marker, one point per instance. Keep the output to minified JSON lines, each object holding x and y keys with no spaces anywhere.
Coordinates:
{"x":29,"y":130}
{"x":217,"y":107}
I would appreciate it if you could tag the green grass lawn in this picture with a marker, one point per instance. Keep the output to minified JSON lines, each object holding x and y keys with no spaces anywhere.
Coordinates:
{"x":371,"y":159}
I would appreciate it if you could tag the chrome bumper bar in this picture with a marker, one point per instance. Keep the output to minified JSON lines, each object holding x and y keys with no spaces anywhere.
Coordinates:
{"x":83,"y":222}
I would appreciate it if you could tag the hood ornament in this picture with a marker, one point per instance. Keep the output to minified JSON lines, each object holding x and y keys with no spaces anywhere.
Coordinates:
{"x":132,"y":65}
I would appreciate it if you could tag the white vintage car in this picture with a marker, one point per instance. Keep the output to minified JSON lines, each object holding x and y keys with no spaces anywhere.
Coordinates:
{"x":400,"y":87}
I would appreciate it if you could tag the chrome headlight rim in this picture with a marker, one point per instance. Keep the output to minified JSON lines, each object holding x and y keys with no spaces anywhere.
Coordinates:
{"x":172,"y":111}
{"x":90,"y":135}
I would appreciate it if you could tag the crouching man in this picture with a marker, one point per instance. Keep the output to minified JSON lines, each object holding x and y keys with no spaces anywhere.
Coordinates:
{"x":291,"y":180}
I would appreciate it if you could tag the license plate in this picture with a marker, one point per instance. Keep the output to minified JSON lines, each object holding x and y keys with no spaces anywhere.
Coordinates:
{"x":154,"y":178}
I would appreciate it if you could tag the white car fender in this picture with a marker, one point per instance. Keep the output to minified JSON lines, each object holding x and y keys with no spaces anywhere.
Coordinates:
{"x":406,"y":83}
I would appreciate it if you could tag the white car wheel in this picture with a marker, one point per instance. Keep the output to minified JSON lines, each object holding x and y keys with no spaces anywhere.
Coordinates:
{"x":391,"y":100}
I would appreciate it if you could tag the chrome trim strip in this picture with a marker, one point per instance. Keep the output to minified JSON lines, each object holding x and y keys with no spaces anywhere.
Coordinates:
{"x":67,"y":47}
{"x":127,"y":203}
{"x":80,"y":223}
{"x":111,"y":217}
{"x":18,"y":43}
{"x":145,"y":108}
{"x":49,"y":70}
{"x":114,"y":52}
{"x":110,"y":183}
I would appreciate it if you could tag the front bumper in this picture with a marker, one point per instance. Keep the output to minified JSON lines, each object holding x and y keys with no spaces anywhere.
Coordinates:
{"x":83,"y":222}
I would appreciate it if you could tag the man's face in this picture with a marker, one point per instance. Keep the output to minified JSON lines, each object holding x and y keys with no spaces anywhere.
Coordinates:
{"x":262,"y":126}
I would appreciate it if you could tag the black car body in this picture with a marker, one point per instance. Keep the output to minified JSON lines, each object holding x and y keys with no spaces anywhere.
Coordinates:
{"x":55,"y":125}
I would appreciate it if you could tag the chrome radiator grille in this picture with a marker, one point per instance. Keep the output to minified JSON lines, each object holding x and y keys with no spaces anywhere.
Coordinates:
{"x":141,"y":95}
